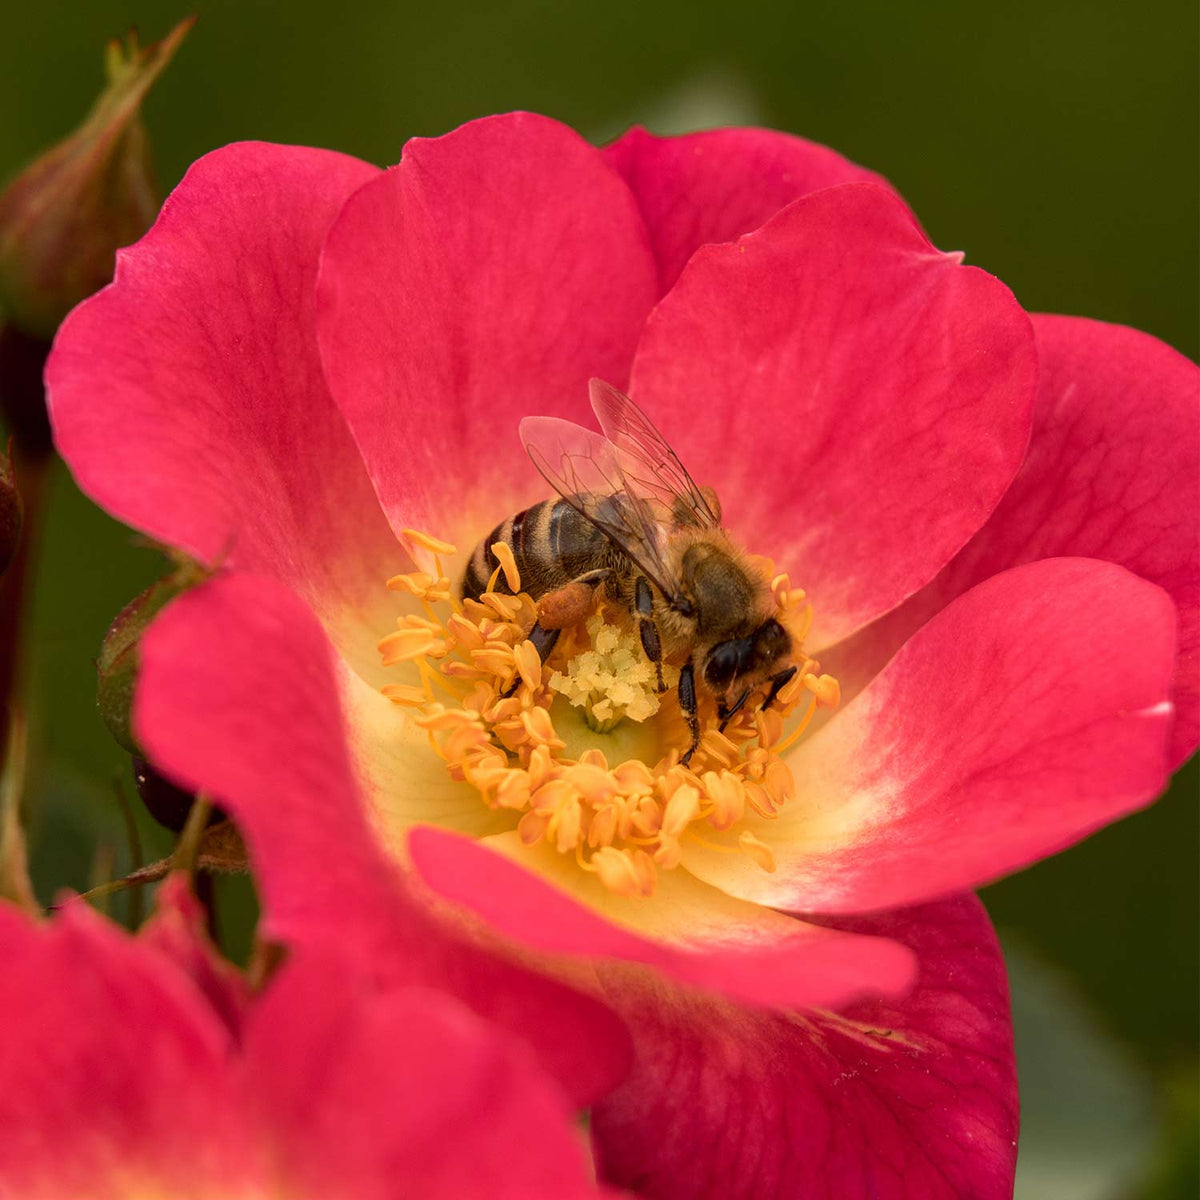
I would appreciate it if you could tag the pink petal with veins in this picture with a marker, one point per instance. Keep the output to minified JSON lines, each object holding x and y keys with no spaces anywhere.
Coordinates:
{"x":911,"y":1099}
{"x":405,"y":1093}
{"x":1113,"y":472}
{"x":1021,"y":719}
{"x":718,"y":184}
{"x":238,"y":698}
{"x":858,"y":399}
{"x":187,"y":397}
{"x":688,"y":930}
{"x":485,"y":278}
{"x":118,"y":1082}
{"x":125,"y":1082}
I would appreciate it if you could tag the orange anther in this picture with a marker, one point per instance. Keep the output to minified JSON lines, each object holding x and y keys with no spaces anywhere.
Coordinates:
{"x":434,"y":545}
{"x":758,"y":850}
{"x":825,"y":688}
{"x":508,"y":564}
{"x":681,"y":810}
{"x":531,"y":828}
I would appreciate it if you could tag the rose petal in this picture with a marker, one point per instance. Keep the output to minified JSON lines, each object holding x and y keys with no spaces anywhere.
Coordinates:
{"x":687,"y":930}
{"x":187,"y":397}
{"x":407,"y":1090}
{"x":485,"y":278}
{"x":859,"y":400}
{"x":178,"y":930}
{"x":718,"y":184}
{"x":891,"y":1100}
{"x":1113,"y":472}
{"x":124,"y":1082}
{"x":111,"y":1058}
{"x":403,"y":782}
{"x":1029,"y":713}
{"x":238,"y":698}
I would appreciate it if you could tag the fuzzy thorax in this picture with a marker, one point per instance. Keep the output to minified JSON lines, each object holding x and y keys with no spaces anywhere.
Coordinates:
{"x":623,"y":822}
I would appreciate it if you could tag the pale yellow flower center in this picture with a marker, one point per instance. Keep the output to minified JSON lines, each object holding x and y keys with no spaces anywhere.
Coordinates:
{"x":507,"y":724}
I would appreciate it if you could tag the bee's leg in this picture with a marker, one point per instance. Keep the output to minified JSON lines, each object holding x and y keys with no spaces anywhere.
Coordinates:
{"x":544,"y":641}
{"x":727,"y":714}
{"x":778,"y":683}
{"x":643,"y":604}
{"x":687,"y":704}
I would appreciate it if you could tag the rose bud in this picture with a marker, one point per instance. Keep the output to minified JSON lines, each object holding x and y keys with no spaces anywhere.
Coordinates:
{"x":63,"y":217}
{"x":165,"y":801}
{"x":117,"y":666}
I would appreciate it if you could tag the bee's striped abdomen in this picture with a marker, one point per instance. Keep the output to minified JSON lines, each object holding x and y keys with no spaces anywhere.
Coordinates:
{"x":551,"y":543}
{"x":483,"y":562}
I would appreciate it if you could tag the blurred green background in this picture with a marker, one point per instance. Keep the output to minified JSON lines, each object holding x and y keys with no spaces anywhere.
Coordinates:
{"x":1055,"y":142}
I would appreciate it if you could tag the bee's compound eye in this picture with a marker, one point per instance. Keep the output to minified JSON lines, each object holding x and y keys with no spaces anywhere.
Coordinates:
{"x":771,"y":642}
{"x":724,"y":662}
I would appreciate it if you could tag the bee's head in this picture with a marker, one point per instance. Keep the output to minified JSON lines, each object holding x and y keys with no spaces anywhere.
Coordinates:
{"x":739,"y":663}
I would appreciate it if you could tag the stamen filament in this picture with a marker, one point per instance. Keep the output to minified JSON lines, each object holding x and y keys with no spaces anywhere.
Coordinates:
{"x":697,"y":840}
{"x":792,"y":738}
{"x":430,"y":677}
{"x":583,"y":862}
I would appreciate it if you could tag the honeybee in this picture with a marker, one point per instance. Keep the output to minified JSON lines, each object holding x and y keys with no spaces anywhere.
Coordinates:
{"x":631,"y":528}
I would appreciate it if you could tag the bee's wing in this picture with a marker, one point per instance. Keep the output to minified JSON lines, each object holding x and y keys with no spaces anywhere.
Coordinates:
{"x":586,"y":472}
{"x":651,"y":467}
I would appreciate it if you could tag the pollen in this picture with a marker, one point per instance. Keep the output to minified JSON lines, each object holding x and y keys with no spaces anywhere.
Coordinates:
{"x":497,"y":715}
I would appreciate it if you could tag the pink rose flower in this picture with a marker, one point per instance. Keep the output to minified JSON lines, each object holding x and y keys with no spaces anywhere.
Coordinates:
{"x":993,"y":516}
{"x":142,"y":1067}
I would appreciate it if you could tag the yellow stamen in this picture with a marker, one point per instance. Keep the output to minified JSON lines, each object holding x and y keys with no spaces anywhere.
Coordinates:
{"x":432,"y":678}
{"x":758,"y":850}
{"x":716,"y":745}
{"x":405,"y":645}
{"x":759,"y":801}
{"x":496,"y":727}
{"x":825,"y":688}
{"x":531,"y":828}
{"x":439,"y":718}
{"x":405,"y":694}
{"x":432,"y":544}
{"x":800,"y":628}
{"x":694,"y":839}
{"x":778,"y":781}
{"x":513,"y":790}
{"x":681,"y":810}
{"x":464,"y":633}
{"x":512,"y":576}
{"x":793,"y":737}
{"x":417,"y":583}
{"x":785,"y":595}
{"x":626,"y":872}
{"x":728,"y":796}
{"x":566,"y":823}
{"x":505,"y":607}
{"x":540,"y":728}
{"x":603,"y":828}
